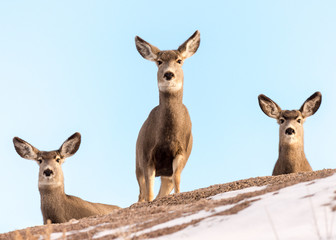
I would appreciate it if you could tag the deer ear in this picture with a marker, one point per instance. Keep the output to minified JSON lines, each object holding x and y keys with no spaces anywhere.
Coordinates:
{"x":189,"y":47}
{"x":311,"y":105}
{"x":269,"y":107}
{"x":70,"y":146}
{"x":146,"y":50}
{"x":24,"y":149}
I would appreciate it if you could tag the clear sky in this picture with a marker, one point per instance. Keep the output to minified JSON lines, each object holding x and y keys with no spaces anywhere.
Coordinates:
{"x":68,"y":66}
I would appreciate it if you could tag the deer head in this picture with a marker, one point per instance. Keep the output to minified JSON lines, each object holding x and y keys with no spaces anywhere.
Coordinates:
{"x":50,"y":163}
{"x":291,"y":122}
{"x":170,"y":73}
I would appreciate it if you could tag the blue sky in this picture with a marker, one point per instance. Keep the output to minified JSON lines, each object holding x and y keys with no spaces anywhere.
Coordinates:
{"x":68,"y":66}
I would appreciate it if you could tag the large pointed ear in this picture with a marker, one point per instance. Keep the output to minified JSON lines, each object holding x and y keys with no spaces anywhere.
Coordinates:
{"x":70,"y":146}
{"x":311,"y":105}
{"x":269,"y":107}
{"x":25,"y":149}
{"x":146,"y":50}
{"x":189,"y":47}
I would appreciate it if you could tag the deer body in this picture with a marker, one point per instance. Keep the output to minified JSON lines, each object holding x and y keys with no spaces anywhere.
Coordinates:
{"x":55,"y":204}
{"x":60,"y":207}
{"x":292,"y":158}
{"x":169,"y":126}
{"x":165,"y":140}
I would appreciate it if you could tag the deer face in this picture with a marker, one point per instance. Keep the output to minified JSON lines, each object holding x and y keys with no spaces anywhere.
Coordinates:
{"x":291,"y":122}
{"x":50,"y":173}
{"x":170,"y":73}
{"x":291,"y":126}
{"x":50,"y":163}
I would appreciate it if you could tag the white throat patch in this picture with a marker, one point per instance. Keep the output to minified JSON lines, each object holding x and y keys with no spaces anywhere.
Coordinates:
{"x":170,"y":86}
{"x":49,"y":184}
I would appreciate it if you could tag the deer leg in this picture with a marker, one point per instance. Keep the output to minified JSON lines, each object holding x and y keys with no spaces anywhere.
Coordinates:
{"x":177,"y":169}
{"x":149,"y":178}
{"x":166,"y":186}
{"x":142,"y":185}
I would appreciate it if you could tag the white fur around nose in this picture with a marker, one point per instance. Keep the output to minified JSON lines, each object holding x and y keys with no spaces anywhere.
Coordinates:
{"x":293,"y":138}
{"x":48,"y":181}
{"x":172,"y":85}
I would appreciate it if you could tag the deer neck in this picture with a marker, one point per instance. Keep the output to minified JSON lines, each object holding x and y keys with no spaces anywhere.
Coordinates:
{"x":52,"y":194}
{"x":170,"y":104}
{"x":171,"y":110}
{"x":53,"y":204}
{"x":171,"y":100}
{"x":291,"y":153}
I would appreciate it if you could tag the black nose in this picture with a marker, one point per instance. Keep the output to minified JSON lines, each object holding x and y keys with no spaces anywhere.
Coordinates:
{"x":290,"y":131}
{"x":48,"y":172}
{"x":168,"y":75}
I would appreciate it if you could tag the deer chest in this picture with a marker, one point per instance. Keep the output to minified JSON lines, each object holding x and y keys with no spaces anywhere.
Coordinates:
{"x":163,"y":156}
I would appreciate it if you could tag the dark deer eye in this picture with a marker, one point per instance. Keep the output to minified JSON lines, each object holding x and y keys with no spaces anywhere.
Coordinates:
{"x":159,"y":62}
{"x":179,"y":61}
{"x":282,"y":121}
{"x":40,"y":161}
{"x":58,"y":160}
{"x":299,"y":120}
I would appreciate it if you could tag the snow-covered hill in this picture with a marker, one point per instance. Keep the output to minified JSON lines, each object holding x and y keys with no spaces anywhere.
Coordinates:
{"x":302,"y":211}
{"x":295,"y":206}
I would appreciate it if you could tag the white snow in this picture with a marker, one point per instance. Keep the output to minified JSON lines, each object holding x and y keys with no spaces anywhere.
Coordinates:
{"x":59,"y":235}
{"x":186,"y":219}
{"x":232,"y":194}
{"x":183,"y":220}
{"x":293,"y":214}
{"x":120,"y":231}
{"x":174,"y":222}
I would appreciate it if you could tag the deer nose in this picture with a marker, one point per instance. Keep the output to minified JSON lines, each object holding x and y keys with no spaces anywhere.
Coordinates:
{"x":168,"y":75}
{"x":48,"y":172}
{"x":290,"y":131}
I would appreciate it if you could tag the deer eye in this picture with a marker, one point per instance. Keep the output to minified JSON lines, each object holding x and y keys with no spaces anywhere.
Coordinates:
{"x":159,"y":62}
{"x":58,"y":160}
{"x":282,"y":121}
{"x":39,"y":161}
{"x":179,"y":61}
{"x":299,"y":120}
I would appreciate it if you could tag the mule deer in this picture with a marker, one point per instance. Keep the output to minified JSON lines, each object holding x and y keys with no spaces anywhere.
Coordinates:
{"x":165,"y":140}
{"x":292,"y":158}
{"x":55,"y":204}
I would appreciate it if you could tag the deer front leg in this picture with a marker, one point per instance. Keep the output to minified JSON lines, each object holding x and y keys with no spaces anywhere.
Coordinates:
{"x":142,"y":184}
{"x":149,"y":178}
{"x":177,"y":169}
{"x":166,"y":186}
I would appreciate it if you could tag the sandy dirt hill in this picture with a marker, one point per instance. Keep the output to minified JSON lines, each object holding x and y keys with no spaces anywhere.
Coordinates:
{"x":268,"y":204}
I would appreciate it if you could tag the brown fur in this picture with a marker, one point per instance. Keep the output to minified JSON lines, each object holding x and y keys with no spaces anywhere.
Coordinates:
{"x":165,"y":139}
{"x":292,"y":158}
{"x":55,"y":204}
{"x":60,"y":207}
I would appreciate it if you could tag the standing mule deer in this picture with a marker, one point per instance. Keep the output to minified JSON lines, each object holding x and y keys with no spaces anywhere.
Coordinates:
{"x":55,"y":204}
{"x":292,"y":158}
{"x":165,"y":140}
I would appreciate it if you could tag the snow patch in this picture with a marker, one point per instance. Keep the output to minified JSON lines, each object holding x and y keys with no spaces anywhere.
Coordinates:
{"x":301,"y":211}
{"x":59,"y":235}
{"x":120,"y":231}
{"x":232,"y":194}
